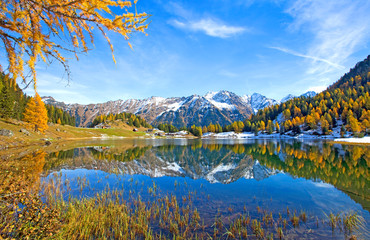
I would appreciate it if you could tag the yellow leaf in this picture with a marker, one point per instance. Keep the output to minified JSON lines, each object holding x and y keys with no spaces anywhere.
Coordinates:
{"x":130,"y":45}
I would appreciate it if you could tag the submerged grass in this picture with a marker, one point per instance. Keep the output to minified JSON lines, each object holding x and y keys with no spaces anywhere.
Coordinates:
{"x":108,"y":216}
{"x":116,"y":214}
{"x":348,"y":223}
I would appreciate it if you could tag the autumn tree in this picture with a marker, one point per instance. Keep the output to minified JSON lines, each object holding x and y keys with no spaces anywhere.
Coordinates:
{"x":45,"y":29}
{"x":196,"y":131}
{"x":277,"y":127}
{"x":218,"y":128}
{"x":240,"y":126}
{"x":286,"y":114}
{"x":235,"y":127}
{"x":211,"y":128}
{"x":354,"y":125}
{"x":365,"y":118}
{"x":324,"y":125}
{"x":35,"y":114}
{"x":204,"y":129}
{"x":270,"y":127}
{"x":262,"y":126}
{"x":136,"y":122}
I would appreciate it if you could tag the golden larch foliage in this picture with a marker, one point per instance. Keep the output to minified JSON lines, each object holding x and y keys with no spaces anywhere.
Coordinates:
{"x":32,"y":29}
{"x":36,"y":114}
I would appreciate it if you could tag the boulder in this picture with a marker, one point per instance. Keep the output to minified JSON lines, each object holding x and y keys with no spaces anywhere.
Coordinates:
{"x":6,"y":132}
{"x":25,"y":131}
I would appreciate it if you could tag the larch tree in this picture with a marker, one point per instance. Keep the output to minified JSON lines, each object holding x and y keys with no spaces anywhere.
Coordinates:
{"x":33,"y":29}
{"x":270,"y":127}
{"x":277,"y":127}
{"x":36,"y":114}
{"x":30,"y":113}
{"x":204,"y":129}
{"x":262,"y":126}
{"x":354,"y":124}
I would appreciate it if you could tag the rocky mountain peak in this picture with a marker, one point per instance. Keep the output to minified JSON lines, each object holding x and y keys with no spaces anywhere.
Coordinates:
{"x":221,"y":107}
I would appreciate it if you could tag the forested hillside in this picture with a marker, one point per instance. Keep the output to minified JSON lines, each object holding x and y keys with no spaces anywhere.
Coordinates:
{"x":128,"y":118}
{"x":13,"y":103}
{"x":346,"y":103}
{"x":57,"y":115}
{"x":12,"y":99}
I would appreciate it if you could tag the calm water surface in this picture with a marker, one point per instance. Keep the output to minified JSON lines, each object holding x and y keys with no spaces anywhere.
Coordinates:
{"x":226,"y":177}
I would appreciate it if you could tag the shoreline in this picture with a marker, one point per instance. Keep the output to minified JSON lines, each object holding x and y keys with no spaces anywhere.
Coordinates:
{"x":65,"y":134}
{"x":302,"y":136}
{"x":45,"y":142}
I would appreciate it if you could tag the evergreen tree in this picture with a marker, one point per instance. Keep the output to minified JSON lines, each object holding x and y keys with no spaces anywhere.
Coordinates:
{"x":130,"y":122}
{"x":342,"y":131}
{"x":6,"y":103}
{"x":136,"y":123}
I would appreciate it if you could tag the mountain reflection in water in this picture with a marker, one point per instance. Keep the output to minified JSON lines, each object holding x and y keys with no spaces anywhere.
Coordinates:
{"x":345,"y":167}
{"x":219,"y":180}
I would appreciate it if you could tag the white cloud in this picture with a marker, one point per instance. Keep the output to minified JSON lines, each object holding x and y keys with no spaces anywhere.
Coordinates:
{"x":339,"y":28}
{"x":210,"y":27}
{"x":309,"y":57}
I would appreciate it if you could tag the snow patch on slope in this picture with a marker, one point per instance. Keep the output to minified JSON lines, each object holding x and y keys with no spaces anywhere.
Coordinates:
{"x":175,"y":106}
{"x":221,"y":105}
{"x":218,"y":99}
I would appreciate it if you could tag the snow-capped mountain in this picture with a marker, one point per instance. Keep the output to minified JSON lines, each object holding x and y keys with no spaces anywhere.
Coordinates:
{"x":290,"y":96}
{"x":309,"y":94}
{"x":221,"y":107}
{"x":287,"y":98}
{"x":258,"y":101}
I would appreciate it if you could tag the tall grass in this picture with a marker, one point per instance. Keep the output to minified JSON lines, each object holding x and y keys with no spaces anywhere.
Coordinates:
{"x":116,"y":214}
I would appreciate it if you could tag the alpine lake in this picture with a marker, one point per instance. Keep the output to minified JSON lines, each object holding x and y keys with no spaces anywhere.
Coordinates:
{"x":188,"y":189}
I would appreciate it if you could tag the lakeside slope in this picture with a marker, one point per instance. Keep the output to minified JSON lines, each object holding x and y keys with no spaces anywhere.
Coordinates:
{"x":21,"y":136}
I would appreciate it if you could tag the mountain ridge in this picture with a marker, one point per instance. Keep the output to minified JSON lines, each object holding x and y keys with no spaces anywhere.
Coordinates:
{"x":221,"y":107}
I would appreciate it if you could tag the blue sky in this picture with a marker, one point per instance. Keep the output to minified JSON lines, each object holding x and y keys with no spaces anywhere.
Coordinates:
{"x":192,"y":47}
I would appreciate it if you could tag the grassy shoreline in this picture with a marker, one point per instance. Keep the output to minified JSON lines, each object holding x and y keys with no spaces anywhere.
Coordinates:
{"x":110,"y":215}
{"x":60,"y":133}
